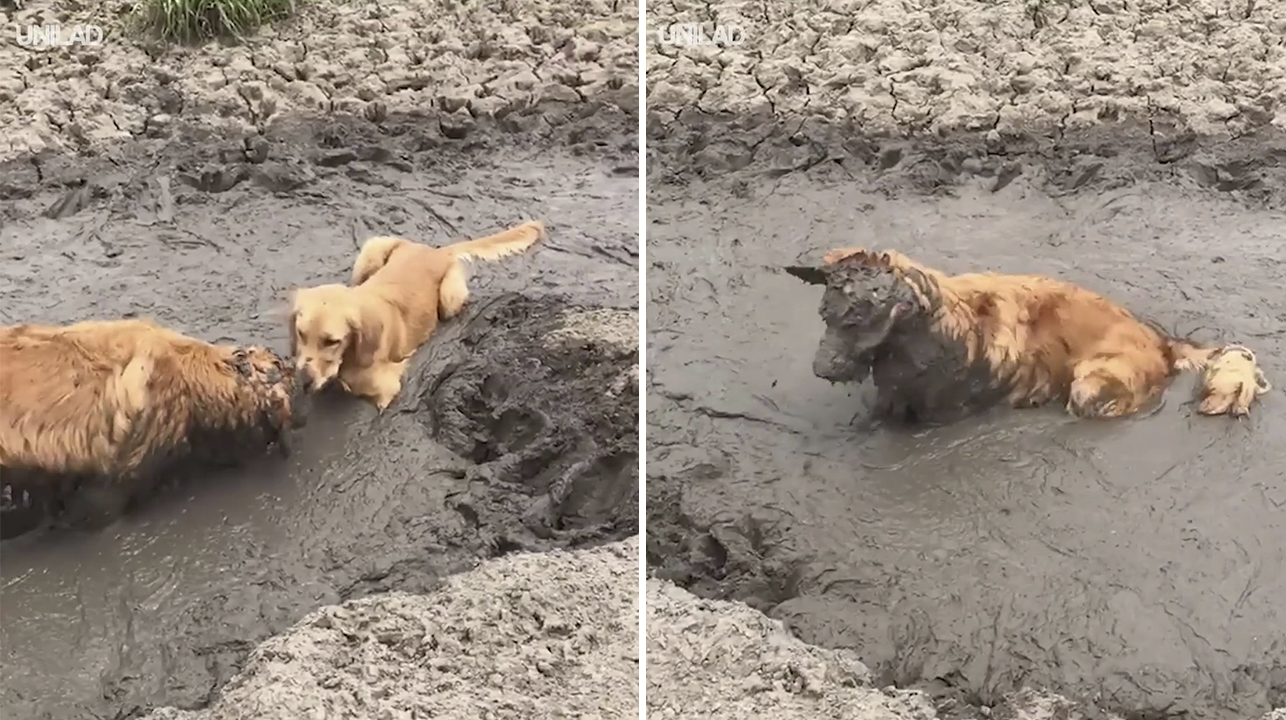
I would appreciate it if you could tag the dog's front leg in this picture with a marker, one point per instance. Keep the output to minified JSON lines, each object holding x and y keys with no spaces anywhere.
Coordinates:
{"x":380,"y":384}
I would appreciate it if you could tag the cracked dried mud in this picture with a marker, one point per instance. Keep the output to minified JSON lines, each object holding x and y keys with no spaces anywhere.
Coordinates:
{"x":1136,"y":148}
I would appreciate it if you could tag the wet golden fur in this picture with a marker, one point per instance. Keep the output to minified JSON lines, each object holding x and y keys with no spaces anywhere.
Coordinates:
{"x":364,"y":333}
{"x":1231,"y":383}
{"x":103,"y":398}
{"x":1045,"y":339}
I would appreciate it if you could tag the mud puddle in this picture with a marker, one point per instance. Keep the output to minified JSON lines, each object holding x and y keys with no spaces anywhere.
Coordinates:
{"x":1137,"y":565}
{"x":208,"y":235}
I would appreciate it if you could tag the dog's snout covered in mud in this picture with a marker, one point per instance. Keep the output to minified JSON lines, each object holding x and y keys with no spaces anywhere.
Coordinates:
{"x":861,"y":308}
{"x":97,"y":412}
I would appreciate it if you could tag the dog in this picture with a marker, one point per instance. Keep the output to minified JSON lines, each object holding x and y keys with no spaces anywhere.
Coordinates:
{"x":364,"y":333}
{"x":941,"y":344}
{"x":102,"y":409}
{"x":1231,"y":383}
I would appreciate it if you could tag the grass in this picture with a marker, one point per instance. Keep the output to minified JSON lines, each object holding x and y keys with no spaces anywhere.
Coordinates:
{"x":191,"y":21}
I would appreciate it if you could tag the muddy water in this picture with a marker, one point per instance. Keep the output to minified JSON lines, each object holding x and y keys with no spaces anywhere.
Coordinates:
{"x":1137,"y":564}
{"x":208,"y":236}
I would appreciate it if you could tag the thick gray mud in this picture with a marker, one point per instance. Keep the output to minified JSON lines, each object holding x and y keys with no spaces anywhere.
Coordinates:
{"x":1135,"y":566}
{"x":515,"y":430}
{"x":530,"y":635}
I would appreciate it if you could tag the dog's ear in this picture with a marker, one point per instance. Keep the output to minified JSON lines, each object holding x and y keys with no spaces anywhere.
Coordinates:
{"x":292,"y":313}
{"x":293,"y":332}
{"x":1261,"y":382}
{"x":365,"y":335}
{"x":809,"y":274}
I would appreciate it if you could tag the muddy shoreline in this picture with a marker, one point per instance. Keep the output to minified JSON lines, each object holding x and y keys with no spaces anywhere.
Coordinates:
{"x":206,"y":232}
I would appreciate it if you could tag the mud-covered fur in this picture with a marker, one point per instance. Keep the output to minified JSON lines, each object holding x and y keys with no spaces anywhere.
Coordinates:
{"x":976,"y":339}
{"x":364,"y":333}
{"x":105,"y":408}
{"x":1231,"y":383}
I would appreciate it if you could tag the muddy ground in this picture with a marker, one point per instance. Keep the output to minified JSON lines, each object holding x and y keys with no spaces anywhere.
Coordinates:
{"x":532,"y":635}
{"x":1135,"y":567}
{"x":516,"y":430}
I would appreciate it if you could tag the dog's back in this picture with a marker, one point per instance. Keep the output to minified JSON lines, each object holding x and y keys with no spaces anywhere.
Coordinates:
{"x":74,"y":396}
{"x":70,"y":393}
{"x":425,"y":284}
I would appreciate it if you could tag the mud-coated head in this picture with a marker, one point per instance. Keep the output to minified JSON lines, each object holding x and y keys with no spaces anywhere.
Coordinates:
{"x":273,"y":379}
{"x":861,"y":307}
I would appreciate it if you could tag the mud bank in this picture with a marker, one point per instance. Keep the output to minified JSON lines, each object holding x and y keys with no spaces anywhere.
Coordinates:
{"x":544,"y":69}
{"x":543,"y":635}
{"x":813,"y":83}
{"x":1132,"y":567}
{"x":514,"y":431}
{"x":710,"y":658}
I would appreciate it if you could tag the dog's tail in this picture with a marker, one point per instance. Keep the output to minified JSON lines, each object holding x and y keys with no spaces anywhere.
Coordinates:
{"x":493,"y":247}
{"x":374,"y":255}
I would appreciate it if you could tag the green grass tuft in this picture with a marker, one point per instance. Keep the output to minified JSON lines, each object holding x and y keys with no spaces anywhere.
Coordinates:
{"x":190,"y":21}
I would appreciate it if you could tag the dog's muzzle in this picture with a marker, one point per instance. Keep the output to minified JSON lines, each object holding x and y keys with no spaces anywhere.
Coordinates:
{"x":838,"y":361}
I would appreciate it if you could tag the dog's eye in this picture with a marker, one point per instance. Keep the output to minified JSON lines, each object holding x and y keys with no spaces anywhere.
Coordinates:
{"x":330,"y":342}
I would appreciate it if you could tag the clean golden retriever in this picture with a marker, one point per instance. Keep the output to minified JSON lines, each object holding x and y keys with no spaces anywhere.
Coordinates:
{"x":1036,"y":339}
{"x":364,"y":333}
{"x":116,"y":402}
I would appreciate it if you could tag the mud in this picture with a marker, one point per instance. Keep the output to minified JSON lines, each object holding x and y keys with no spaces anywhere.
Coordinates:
{"x":527,"y":636}
{"x":717,"y":659}
{"x":1134,"y":567}
{"x":207,"y":233}
{"x":544,"y":69}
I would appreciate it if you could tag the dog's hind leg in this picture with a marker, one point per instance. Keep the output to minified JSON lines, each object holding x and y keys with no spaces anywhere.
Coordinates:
{"x":374,"y":255}
{"x":1107,"y":386}
{"x":453,"y":291}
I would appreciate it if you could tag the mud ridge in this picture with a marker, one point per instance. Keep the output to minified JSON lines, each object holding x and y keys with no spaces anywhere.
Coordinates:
{"x":552,"y":70}
{"x":526,"y":636}
{"x":724,"y":660}
{"x":808,"y":85}
{"x":207,"y":231}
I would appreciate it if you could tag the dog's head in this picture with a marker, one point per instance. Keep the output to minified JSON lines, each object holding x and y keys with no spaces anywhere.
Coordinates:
{"x":328,"y":327}
{"x":1234,"y":354}
{"x":861,"y":307}
{"x":271,"y":379}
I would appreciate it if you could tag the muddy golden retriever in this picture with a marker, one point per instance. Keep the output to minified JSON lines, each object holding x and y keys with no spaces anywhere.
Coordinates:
{"x":940,"y":344}
{"x":108,"y":405}
{"x":364,"y":333}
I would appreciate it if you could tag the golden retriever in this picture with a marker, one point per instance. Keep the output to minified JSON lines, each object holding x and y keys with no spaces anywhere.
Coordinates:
{"x":115,"y":402}
{"x":364,"y":333}
{"x":1036,"y":339}
{"x":1231,"y":383}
